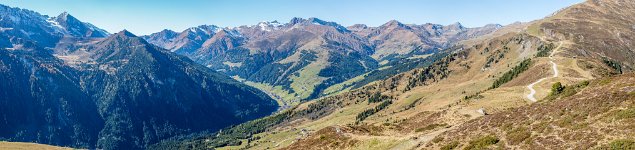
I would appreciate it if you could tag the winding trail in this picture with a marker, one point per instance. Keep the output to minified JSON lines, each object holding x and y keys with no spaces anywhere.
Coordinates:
{"x":554,"y":66}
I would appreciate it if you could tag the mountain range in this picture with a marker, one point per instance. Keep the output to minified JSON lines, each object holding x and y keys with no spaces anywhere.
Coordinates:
{"x":304,"y":57}
{"x":66,"y":82}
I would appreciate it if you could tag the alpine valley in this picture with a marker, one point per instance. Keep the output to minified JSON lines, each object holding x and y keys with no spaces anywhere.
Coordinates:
{"x":565,"y":81}
{"x":65,"y":82}
{"x":306,"y":59}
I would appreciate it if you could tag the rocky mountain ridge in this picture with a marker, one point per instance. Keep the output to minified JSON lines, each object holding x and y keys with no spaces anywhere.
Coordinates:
{"x":304,"y":57}
{"x":65,"y":82}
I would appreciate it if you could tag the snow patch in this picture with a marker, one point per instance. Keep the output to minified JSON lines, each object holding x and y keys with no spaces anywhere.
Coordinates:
{"x":54,"y":23}
{"x":269,"y":26}
{"x":5,"y":29}
{"x":264,"y":26}
{"x":232,"y":64}
{"x":234,"y":33}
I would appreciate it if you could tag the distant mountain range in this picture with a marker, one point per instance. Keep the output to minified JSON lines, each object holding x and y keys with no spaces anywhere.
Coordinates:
{"x":69,"y":83}
{"x":301,"y":59}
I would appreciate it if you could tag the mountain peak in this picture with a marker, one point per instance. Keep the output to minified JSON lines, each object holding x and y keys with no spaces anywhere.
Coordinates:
{"x":493,"y":26}
{"x":65,"y":17}
{"x":118,"y":46}
{"x":204,"y":29}
{"x":167,"y":31}
{"x":456,"y":25}
{"x":63,"y":14}
{"x":393,"y":23}
{"x":296,"y":20}
{"x":316,"y":21}
{"x":125,"y":33}
{"x":78,"y":28}
{"x":267,"y":23}
{"x":358,"y":26}
{"x":208,"y":27}
{"x":269,"y":26}
{"x":313,"y":19}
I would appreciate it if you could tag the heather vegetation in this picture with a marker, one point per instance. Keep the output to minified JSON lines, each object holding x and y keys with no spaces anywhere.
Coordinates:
{"x":482,"y":143}
{"x":430,"y":127}
{"x":620,"y":144}
{"x":450,"y":146}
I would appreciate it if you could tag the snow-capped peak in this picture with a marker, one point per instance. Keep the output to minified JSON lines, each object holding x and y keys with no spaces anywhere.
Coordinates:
{"x":207,"y":29}
{"x":65,"y":23}
{"x":269,"y":26}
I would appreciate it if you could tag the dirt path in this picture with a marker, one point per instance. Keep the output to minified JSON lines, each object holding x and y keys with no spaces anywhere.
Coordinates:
{"x":421,"y":139}
{"x":554,"y":66}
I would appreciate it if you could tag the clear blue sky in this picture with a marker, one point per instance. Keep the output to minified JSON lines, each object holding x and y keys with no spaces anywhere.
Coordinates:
{"x":148,"y":16}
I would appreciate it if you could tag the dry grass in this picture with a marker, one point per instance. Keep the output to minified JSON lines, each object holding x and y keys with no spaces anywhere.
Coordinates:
{"x":582,"y":121}
{"x":29,"y":146}
{"x":514,"y":120}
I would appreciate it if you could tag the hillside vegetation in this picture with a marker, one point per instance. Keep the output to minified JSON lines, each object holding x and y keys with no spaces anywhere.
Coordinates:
{"x":475,"y":98}
{"x":599,"y":116}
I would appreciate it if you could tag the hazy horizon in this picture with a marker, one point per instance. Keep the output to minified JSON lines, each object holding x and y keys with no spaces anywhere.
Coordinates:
{"x":145,"y":17}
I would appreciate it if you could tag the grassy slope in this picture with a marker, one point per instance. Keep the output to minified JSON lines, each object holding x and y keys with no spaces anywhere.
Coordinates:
{"x":597,"y":116}
{"x":444,"y":100}
{"x":29,"y":146}
{"x":398,"y":125}
{"x":439,"y":107}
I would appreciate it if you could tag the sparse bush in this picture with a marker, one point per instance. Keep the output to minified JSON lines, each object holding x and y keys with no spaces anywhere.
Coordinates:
{"x":625,"y":114}
{"x":540,"y":127}
{"x":412,"y":105}
{"x":474,"y":96}
{"x":613,"y":64}
{"x":622,"y":144}
{"x":566,"y":121}
{"x":482,"y":143}
{"x":437,"y":139}
{"x":518,"y":135}
{"x":450,"y":146}
{"x":430,"y":127}
{"x":557,"y":88}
